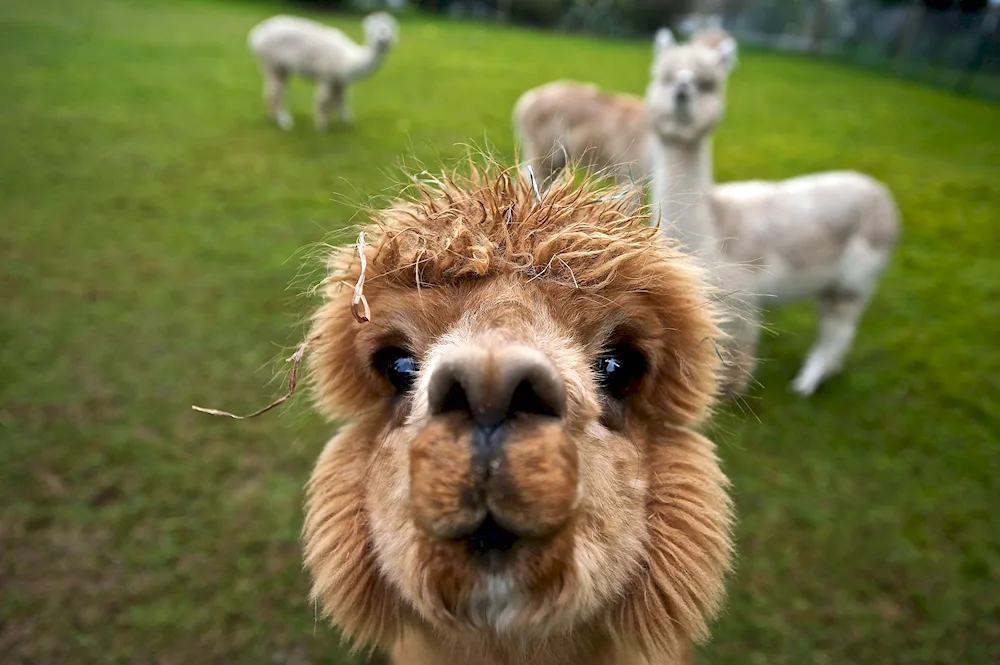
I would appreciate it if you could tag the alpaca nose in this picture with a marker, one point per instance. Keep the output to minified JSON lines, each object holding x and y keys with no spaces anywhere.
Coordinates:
{"x":683,"y":92}
{"x":493,"y":387}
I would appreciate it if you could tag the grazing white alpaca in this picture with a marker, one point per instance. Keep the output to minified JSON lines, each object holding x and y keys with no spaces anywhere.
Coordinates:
{"x":566,"y":121}
{"x":287,"y":45}
{"x":827,"y":236}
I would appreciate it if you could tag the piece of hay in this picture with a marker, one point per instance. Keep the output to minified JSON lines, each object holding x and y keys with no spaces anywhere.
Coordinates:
{"x":359,"y":295}
{"x":295,"y":359}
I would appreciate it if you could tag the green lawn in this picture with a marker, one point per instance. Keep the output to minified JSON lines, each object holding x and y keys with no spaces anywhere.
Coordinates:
{"x":154,"y":229}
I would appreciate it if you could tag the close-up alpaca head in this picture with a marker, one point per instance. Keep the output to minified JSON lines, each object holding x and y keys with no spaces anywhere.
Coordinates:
{"x":518,"y":478}
{"x":685,"y":97}
{"x":381,"y":30}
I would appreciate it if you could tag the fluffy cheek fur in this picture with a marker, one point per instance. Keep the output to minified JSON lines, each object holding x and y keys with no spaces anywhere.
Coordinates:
{"x":689,"y":517}
{"x":339,"y":550}
{"x":642,"y":561}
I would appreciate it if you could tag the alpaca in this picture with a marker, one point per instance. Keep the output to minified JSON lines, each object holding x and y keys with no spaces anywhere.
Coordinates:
{"x":566,"y":121}
{"x":287,"y":45}
{"x":520,"y":480}
{"x":826,"y":236}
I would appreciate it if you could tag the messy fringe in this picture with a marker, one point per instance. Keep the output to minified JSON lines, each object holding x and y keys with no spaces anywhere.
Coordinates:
{"x":490,"y":220}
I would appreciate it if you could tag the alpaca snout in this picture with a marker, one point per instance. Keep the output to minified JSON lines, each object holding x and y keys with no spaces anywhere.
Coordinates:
{"x":531,"y":488}
{"x":683,"y":92}
{"x":494,"y":463}
{"x":491,"y":386}
{"x":521,"y":484}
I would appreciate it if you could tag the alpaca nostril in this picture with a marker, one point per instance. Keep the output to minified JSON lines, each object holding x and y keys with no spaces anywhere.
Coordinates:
{"x":491,"y":388}
{"x":455,"y":400}
{"x":537,"y":396}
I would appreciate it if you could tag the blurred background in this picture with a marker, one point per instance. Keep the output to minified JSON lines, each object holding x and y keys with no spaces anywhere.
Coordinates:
{"x":158,"y":237}
{"x":948,"y":43}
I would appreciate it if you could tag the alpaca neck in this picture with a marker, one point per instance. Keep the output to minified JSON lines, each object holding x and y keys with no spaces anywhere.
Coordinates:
{"x":369,"y":59}
{"x":682,"y":184}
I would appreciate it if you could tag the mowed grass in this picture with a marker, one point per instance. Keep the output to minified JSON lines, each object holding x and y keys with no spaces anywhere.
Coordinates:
{"x":156,"y":235}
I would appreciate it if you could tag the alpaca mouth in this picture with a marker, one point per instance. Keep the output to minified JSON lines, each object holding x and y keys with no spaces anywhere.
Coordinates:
{"x":490,"y":542}
{"x":487,"y":488}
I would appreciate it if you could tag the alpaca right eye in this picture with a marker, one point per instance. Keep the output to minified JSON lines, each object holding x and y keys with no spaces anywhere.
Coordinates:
{"x":398,"y":366}
{"x":619,"y":370}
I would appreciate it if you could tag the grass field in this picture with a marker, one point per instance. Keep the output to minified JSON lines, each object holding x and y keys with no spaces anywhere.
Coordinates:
{"x":154,"y":231}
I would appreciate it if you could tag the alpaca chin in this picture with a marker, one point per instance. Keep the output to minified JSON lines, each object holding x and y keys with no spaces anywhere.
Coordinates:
{"x":496,"y":603}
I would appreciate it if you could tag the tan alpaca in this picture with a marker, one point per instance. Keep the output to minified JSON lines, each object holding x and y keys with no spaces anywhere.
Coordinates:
{"x":826,"y":236}
{"x":289,"y":45}
{"x":519,"y":481}
{"x":565,"y":121}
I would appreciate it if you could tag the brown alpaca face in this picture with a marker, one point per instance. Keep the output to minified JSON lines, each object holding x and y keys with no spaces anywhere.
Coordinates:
{"x":685,"y":97}
{"x":513,"y":451}
{"x":513,"y":420}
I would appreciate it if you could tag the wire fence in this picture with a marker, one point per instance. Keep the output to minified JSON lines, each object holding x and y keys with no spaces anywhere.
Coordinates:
{"x":956,"y":49}
{"x":949,"y":43}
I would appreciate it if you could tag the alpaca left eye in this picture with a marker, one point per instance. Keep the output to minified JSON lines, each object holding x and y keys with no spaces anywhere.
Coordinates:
{"x":398,"y":366}
{"x":619,"y":370}
{"x":706,"y":85}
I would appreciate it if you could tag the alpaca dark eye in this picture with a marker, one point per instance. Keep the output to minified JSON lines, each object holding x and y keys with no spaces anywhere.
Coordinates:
{"x":619,"y":370}
{"x":706,"y":85}
{"x":398,"y":366}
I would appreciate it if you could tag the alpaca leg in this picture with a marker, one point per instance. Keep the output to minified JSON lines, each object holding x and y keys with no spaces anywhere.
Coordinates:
{"x":625,"y":178}
{"x":544,"y":164}
{"x":324,"y":100}
{"x":275,"y":81}
{"x":541,"y":172}
{"x":274,"y":97}
{"x":839,"y":314}
{"x":529,"y":163}
{"x":555,"y":161}
{"x":544,"y":168}
{"x":840,"y":309}
{"x":739,"y":356}
{"x":340,"y":101}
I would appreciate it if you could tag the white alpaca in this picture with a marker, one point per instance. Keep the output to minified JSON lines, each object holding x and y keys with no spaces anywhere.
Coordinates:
{"x":566,"y":121}
{"x":287,"y":45}
{"x":827,"y":236}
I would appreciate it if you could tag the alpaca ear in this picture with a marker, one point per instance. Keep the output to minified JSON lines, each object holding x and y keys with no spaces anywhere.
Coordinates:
{"x":727,"y":53}
{"x":664,"y":39}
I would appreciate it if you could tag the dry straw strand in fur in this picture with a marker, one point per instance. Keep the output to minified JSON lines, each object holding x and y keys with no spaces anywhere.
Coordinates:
{"x":295,"y":359}
{"x":359,"y":288}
